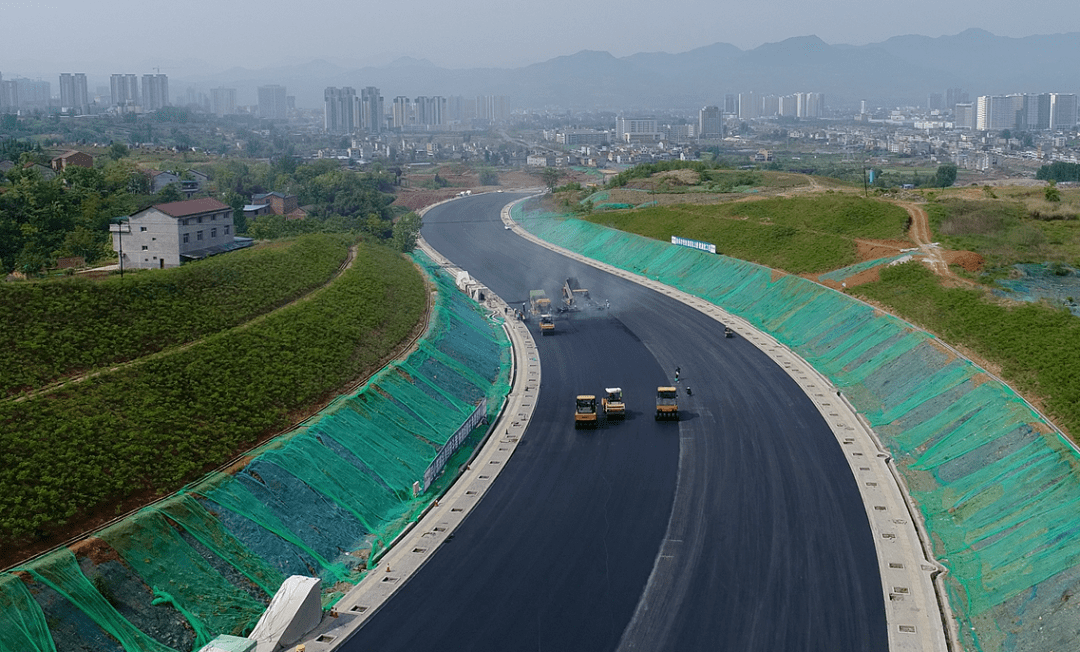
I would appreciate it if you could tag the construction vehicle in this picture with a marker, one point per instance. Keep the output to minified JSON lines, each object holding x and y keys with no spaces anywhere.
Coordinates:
{"x":613,"y":405}
{"x":574,"y":296}
{"x":547,"y":324}
{"x":667,"y":403}
{"x":540,"y":304}
{"x":585,"y":412}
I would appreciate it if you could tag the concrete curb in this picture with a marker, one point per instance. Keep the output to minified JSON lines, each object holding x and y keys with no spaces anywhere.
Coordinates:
{"x":414,"y":547}
{"x":916,"y":608}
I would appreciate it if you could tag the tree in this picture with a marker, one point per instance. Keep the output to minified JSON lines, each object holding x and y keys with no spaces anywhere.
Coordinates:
{"x":169,"y":193}
{"x":550,"y":177}
{"x":406,"y":230}
{"x":1051,"y":192}
{"x":945,"y":176}
{"x":489,"y":177}
{"x":118,"y":151}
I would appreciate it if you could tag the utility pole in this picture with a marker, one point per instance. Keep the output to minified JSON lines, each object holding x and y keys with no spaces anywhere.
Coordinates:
{"x":120,"y":222}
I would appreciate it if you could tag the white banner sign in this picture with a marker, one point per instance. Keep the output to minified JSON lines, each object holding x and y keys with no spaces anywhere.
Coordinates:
{"x":694,"y":244}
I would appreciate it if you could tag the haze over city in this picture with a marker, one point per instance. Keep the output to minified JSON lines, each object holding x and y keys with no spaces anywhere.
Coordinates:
{"x":201,"y":36}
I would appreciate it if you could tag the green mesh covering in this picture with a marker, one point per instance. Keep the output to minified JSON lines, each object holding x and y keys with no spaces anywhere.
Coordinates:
{"x":61,"y":572}
{"x":999,"y":489}
{"x":182,"y":578}
{"x":842,"y":274}
{"x":319,"y":501}
{"x":22,"y":623}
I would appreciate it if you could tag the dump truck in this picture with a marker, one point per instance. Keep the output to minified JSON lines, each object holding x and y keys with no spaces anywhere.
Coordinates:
{"x":547,"y":324}
{"x":667,"y":403}
{"x":575,"y":297}
{"x":539,"y":303}
{"x":614,"y":408}
{"x":585,"y":411}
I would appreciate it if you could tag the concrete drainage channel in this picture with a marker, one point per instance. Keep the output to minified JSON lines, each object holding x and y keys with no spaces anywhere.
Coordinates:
{"x":415,"y":546}
{"x":916,"y":609}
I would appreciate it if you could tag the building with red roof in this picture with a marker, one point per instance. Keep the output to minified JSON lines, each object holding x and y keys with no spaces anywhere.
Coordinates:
{"x":166,"y":235}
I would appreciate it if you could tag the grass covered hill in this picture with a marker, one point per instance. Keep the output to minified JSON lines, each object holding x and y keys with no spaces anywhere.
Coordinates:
{"x":60,"y":328}
{"x":808,"y":234}
{"x":87,"y":451}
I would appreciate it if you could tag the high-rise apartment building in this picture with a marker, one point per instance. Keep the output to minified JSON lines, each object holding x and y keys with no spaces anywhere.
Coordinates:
{"x":810,"y":105}
{"x":460,"y":109}
{"x":371,"y":111}
{"x":731,"y":104}
{"x":789,"y":106}
{"x":954,"y":96}
{"x":493,"y":107}
{"x":964,"y":115}
{"x":401,"y":113}
{"x":710,"y":123}
{"x":1063,"y":111}
{"x":73,"y":95}
{"x":998,"y":112}
{"x":124,"y":91}
{"x":431,"y":112}
{"x":629,"y":130}
{"x":749,"y":106}
{"x":155,"y":92}
{"x":341,"y":110}
{"x":770,"y":106}
{"x":25,"y":93}
{"x":272,"y":102}
{"x":223,"y":101}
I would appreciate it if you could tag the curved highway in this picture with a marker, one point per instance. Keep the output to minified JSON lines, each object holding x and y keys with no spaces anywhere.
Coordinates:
{"x":738,"y":528}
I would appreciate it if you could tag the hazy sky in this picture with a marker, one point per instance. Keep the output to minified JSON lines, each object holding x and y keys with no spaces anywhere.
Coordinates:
{"x":97,"y":37}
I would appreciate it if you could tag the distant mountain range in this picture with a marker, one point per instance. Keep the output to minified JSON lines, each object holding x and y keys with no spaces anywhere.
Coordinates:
{"x":900,"y":71}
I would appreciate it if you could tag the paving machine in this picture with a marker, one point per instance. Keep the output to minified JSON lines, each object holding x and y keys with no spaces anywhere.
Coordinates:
{"x":539,"y":303}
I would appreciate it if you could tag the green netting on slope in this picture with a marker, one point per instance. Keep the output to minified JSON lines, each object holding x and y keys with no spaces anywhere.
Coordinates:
{"x":201,"y":524}
{"x":215,"y":553}
{"x":234,"y":494}
{"x":22,"y":623}
{"x":842,"y":274}
{"x":61,"y":572}
{"x":1000,"y":496}
{"x":180,"y":577}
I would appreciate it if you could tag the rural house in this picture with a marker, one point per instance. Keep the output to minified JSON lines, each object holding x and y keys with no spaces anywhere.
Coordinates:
{"x":167,"y":235}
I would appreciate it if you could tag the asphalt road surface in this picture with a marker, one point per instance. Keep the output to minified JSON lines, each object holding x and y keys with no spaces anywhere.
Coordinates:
{"x":740,"y":527}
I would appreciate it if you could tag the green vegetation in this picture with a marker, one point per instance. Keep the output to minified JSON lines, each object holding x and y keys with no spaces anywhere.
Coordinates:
{"x":45,"y":219}
{"x":798,"y":235}
{"x":150,"y":427}
{"x":646,"y":170}
{"x":1035,"y":344}
{"x":1009,"y":230}
{"x":58,"y":328}
{"x":550,"y":177}
{"x":1059,"y":171}
{"x":945,"y":175}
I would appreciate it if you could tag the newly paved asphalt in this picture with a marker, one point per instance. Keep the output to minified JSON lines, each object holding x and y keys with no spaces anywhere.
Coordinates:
{"x":738,"y":528}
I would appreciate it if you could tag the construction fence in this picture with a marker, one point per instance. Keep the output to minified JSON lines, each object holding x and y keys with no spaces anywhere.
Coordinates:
{"x":998,"y":487}
{"x":321,"y":501}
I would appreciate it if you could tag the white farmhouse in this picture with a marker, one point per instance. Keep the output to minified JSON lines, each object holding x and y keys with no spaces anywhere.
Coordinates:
{"x":166,"y":235}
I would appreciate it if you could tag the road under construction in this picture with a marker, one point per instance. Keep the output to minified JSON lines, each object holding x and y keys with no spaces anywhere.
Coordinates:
{"x":739,"y":526}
